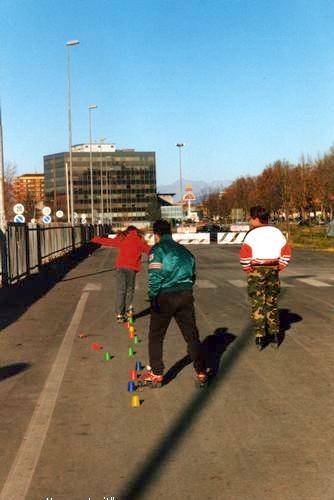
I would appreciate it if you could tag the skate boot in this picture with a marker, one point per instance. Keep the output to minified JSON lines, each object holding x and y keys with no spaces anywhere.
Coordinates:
{"x":130,"y":313}
{"x":260,"y":342}
{"x":149,"y":379}
{"x":120,"y":318}
{"x":274,"y":340}
{"x":201,"y":380}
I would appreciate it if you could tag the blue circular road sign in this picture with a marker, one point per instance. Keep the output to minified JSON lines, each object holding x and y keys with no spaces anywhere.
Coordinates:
{"x":47,"y":219}
{"x":19,"y":218}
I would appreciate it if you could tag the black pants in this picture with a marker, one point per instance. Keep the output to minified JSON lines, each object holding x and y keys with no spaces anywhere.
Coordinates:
{"x":178,"y":305}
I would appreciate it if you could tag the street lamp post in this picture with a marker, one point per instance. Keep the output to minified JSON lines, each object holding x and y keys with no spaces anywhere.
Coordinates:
{"x":93,"y":106}
{"x":69,"y":45}
{"x":67,"y":194}
{"x":180,"y":146}
{"x":2,"y":182}
{"x":101,"y":181}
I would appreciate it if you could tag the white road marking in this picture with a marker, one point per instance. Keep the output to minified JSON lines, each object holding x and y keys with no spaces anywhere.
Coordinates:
{"x":243,"y":284}
{"x":313,"y":282}
{"x":92,"y":287}
{"x":205,"y":284}
{"x":238,"y":283}
{"x":23,"y":468}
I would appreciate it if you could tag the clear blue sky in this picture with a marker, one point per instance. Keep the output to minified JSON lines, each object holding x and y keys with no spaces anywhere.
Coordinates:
{"x":241,"y":82}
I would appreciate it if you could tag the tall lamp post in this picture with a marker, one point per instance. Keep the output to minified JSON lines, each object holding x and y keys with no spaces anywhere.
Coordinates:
{"x":93,"y":106}
{"x":101,"y":181}
{"x":70,"y":44}
{"x":2,"y":182}
{"x":180,"y":146}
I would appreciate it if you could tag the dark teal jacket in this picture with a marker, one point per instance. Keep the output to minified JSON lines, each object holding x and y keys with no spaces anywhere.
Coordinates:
{"x":171,"y":267}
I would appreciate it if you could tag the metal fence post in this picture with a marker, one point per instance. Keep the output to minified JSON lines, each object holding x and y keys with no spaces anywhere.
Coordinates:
{"x":27,"y":247}
{"x":73,"y":238}
{"x":4,"y":258}
{"x":39,"y":247}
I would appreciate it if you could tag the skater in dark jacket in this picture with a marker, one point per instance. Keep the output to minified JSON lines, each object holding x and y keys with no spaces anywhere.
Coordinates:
{"x":131,"y":245}
{"x":171,"y":277}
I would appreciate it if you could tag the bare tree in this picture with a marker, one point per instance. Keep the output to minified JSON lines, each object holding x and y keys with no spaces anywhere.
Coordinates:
{"x":10,"y":200}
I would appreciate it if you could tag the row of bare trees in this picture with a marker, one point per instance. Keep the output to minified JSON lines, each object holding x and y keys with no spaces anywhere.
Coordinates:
{"x":283,"y":188}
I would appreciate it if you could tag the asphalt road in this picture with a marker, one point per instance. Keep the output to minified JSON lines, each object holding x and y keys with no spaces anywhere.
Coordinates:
{"x":264,"y":430}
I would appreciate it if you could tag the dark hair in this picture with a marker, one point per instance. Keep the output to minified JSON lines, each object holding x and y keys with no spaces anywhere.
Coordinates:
{"x":161,"y":227}
{"x":259,"y":213}
{"x":132,"y":228}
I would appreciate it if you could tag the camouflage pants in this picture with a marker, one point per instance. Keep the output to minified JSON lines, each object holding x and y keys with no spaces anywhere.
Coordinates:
{"x":263,"y":292}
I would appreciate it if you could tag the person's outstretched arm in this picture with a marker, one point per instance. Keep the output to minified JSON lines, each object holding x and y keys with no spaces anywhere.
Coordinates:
{"x":107,"y":242}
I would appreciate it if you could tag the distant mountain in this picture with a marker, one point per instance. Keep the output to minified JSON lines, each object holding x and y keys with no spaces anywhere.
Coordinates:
{"x":199,"y":187}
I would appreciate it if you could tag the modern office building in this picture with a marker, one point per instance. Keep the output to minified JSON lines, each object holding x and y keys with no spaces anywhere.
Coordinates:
{"x":124,"y":183}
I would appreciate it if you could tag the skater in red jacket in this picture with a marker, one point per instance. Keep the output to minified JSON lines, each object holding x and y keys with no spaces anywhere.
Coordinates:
{"x":131,"y":245}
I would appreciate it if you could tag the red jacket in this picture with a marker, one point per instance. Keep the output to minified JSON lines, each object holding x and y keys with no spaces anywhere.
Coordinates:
{"x":130,"y":248}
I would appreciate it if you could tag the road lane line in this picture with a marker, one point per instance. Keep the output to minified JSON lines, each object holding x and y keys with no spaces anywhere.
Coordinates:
{"x":238,"y":283}
{"x":93,"y":287}
{"x":313,"y":282}
{"x":205,"y":284}
{"x":23,"y":468}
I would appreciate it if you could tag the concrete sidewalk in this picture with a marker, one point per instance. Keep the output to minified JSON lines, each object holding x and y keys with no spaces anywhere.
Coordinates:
{"x":263,"y":430}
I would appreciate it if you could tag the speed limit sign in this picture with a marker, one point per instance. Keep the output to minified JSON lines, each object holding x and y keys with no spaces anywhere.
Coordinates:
{"x":18,"y":209}
{"x":46,"y":211}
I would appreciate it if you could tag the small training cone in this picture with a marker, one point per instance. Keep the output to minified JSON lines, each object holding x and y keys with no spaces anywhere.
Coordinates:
{"x":131,"y":386}
{"x":131,"y":321}
{"x":135,"y":339}
{"x":96,"y":346}
{"x":130,"y":351}
{"x":131,"y":335}
{"x":107,"y":356}
{"x":138,"y":366}
{"x":131,"y":329}
{"x":133,"y":375}
{"x":135,"y":403}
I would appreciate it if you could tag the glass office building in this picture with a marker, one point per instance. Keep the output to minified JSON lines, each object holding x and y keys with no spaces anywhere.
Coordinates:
{"x":124,"y":183}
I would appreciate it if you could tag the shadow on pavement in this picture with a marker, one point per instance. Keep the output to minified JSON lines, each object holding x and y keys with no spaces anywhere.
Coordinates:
{"x":176,"y":369}
{"x":12,"y":370}
{"x":138,"y":485}
{"x":214,"y":347}
{"x":141,"y":314}
{"x":16,"y":299}
{"x":90,"y":274}
{"x":286,"y":318}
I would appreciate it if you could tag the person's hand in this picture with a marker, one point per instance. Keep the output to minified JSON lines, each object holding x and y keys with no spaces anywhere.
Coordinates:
{"x":155,"y":307}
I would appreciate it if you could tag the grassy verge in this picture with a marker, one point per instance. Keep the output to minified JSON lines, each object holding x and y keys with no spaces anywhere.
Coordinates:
{"x":310,"y":237}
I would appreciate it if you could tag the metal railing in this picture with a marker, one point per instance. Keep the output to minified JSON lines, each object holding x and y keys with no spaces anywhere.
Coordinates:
{"x":26,"y":248}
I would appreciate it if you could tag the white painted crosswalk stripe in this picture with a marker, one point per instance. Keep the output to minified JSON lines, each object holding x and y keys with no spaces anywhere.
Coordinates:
{"x":238,"y":283}
{"x":243,"y":284}
{"x":205,"y":284}
{"x":313,"y":282}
